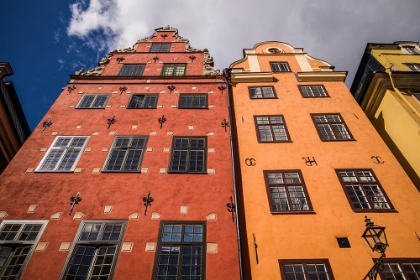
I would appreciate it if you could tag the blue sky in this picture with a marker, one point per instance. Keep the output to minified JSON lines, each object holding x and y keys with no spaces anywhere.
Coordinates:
{"x":46,"y":41}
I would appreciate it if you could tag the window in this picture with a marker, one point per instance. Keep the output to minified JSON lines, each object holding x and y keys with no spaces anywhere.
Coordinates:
{"x":63,"y":154}
{"x":181,"y":253}
{"x":363,"y":190}
{"x":280,"y":67}
{"x":17,"y":243}
{"x":173,"y":70}
{"x":192,"y":101}
{"x":318,"y":269}
{"x":188,"y":155}
{"x":396,"y":269}
{"x":271,"y":129}
{"x":413,"y":66}
{"x":410,"y":50}
{"x":313,"y":91}
{"x":143,"y":101}
{"x":416,"y":94}
{"x":132,"y":70}
{"x":160,"y":47}
{"x":274,"y":50}
{"x":331,"y":127}
{"x":126,"y":153}
{"x":262,"y":92}
{"x":286,"y":191}
{"x":93,"y":101}
{"x":94,"y":251}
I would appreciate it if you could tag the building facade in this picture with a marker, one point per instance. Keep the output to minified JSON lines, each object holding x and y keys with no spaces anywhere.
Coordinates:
{"x":387,"y":87}
{"x":310,"y":167}
{"x":14,"y":129}
{"x":128,"y":174}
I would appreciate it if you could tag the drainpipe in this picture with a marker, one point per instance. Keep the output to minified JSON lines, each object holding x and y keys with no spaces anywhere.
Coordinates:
{"x":226,"y":72}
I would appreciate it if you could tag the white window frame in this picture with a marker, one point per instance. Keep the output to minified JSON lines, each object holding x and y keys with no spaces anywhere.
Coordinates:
{"x":52,"y":148}
{"x":93,"y":101}
{"x":410,"y":49}
{"x":16,"y":243}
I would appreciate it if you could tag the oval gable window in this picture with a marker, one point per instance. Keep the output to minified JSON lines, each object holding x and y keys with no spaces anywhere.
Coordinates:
{"x":274,"y":50}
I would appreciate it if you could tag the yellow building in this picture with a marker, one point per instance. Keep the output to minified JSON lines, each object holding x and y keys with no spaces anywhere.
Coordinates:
{"x":310,"y":167}
{"x":387,"y":86}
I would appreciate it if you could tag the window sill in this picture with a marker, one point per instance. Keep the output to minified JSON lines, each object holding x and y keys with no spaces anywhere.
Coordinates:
{"x":258,"y":98}
{"x":141,"y":107}
{"x":271,"y":142}
{"x":54,"y":171}
{"x":293,"y":212}
{"x":375,"y":211}
{"x":193,"y":107}
{"x":337,"y":140}
{"x":188,"y":172}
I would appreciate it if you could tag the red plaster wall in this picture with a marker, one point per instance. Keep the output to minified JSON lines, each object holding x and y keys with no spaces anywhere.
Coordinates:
{"x":202,"y":193}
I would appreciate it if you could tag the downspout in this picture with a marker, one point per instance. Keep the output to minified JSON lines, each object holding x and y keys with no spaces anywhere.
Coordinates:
{"x":226,"y":72}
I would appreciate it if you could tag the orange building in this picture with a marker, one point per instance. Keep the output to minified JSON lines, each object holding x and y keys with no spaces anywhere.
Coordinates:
{"x":139,"y":139}
{"x":310,"y":167}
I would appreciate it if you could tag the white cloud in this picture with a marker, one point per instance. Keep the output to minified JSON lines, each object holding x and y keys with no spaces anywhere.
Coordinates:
{"x":333,"y":30}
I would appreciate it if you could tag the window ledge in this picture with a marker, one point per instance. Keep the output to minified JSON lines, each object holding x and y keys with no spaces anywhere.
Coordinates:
{"x":293,"y":212}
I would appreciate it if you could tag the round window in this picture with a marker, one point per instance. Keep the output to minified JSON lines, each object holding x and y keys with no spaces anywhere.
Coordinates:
{"x":273,"y":50}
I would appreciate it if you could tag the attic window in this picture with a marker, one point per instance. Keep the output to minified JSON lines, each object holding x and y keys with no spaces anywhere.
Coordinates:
{"x":410,"y":50}
{"x":274,"y":50}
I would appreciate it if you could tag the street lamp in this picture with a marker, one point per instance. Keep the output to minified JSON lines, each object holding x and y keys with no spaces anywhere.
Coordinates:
{"x":376,"y":239}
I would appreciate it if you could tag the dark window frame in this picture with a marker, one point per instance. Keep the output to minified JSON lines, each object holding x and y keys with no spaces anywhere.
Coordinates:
{"x":262,"y":92}
{"x":365,"y":194}
{"x":329,"y":123}
{"x":132,"y":71}
{"x":278,"y":69}
{"x":313,"y":96}
{"x":289,"y":199}
{"x":305,"y":263}
{"x":96,"y":243}
{"x":400,"y":262}
{"x":162,"y":243}
{"x":271,"y":129}
{"x":274,"y":50}
{"x":126,"y":155}
{"x":159,"y":47}
{"x":188,"y":149}
{"x":146,"y":96}
{"x":414,"y":67}
{"x":16,"y":243}
{"x":195,"y":95}
{"x":96,"y":96}
{"x":175,"y":65}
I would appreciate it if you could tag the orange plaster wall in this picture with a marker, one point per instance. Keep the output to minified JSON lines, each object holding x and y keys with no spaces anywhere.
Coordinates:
{"x":310,"y":236}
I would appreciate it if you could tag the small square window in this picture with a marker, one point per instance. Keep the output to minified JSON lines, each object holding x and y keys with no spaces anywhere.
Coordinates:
{"x":262,"y":92}
{"x":160,"y":47}
{"x":63,"y":154}
{"x":363,"y":191}
{"x":331,"y":127}
{"x":313,"y":91}
{"x":287,"y":192}
{"x":146,"y":101}
{"x":343,"y":242}
{"x":271,"y":129}
{"x":413,"y":66}
{"x":126,"y":154}
{"x":306,"y":269}
{"x":189,"y":155}
{"x":173,"y":70}
{"x":280,"y":67}
{"x":93,"y":101}
{"x":132,"y":70}
{"x":195,"y":101}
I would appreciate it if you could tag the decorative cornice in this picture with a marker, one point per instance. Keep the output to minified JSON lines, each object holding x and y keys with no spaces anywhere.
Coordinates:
{"x":252,"y":77}
{"x":319,"y":76}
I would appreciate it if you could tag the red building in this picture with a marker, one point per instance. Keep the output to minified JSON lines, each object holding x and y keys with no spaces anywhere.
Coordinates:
{"x":144,"y":126}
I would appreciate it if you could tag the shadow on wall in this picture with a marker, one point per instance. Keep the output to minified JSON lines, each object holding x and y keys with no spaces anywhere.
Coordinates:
{"x":379,"y":124}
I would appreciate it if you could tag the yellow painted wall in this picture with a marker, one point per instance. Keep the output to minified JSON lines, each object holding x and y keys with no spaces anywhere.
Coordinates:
{"x":396,"y":57}
{"x":311,"y":236}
